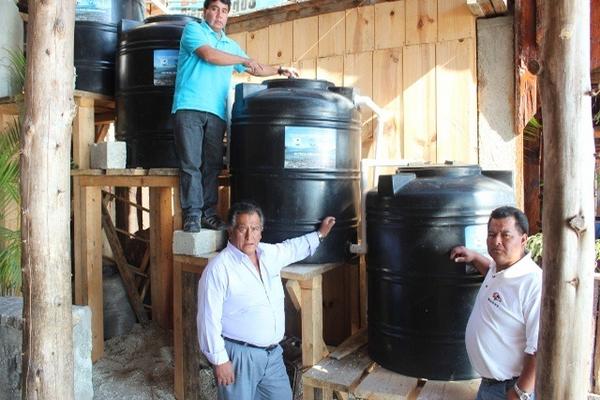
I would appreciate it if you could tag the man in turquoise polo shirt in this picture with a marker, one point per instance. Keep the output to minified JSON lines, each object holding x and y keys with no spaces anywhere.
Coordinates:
{"x":207,"y":58}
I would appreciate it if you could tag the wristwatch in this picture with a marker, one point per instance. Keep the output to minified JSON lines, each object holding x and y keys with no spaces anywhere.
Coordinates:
{"x":521,"y":393}
{"x":320,"y":236}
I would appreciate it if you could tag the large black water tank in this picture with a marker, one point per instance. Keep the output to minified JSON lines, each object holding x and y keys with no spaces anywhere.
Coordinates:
{"x":146,"y":70}
{"x":295,"y":150}
{"x":96,"y":23}
{"x":419,"y":300}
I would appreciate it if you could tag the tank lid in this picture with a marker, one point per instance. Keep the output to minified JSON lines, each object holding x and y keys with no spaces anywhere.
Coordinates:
{"x":311,"y":84}
{"x":423,"y":171}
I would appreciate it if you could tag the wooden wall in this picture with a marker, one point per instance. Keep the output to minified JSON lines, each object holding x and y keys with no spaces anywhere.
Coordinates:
{"x":416,"y":58}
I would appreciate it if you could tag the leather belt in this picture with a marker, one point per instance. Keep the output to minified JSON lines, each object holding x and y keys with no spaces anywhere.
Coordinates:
{"x":242,"y":343}
{"x":491,"y":381}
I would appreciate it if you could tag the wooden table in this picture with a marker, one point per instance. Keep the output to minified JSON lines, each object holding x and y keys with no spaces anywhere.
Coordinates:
{"x":304,"y":284}
{"x":164,"y":219}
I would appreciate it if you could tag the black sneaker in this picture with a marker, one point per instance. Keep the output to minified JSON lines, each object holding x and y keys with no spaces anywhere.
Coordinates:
{"x":191,"y":224}
{"x":213,"y":222}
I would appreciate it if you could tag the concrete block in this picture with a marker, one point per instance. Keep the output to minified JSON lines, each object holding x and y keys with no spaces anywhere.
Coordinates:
{"x":11,"y":339}
{"x":197,"y":244}
{"x":108,"y":155}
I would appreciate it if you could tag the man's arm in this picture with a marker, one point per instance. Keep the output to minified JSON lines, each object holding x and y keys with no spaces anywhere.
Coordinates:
{"x":218,"y":57}
{"x":210,"y":309}
{"x":526,"y":381}
{"x":479,"y":261}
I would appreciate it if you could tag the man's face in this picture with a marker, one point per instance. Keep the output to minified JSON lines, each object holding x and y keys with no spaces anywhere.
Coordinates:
{"x":246,"y":233}
{"x":216,"y":15}
{"x":505,"y":243}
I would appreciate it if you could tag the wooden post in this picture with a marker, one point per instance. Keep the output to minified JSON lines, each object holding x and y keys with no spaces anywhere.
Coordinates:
{"x":564,"y":351}
{"x":161,"y":255}
{"x":47,"y":371}
{"x":313,"y":348}
{"x":87,"y":239}
{"x":83,"y":131}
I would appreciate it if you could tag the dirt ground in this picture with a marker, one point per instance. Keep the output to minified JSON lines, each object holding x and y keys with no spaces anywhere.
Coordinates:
{"x":137,"y":366}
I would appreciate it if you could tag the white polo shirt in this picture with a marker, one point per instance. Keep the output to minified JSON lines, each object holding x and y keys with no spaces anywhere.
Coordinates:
{"x":235,"y":302}
{"x":504,"y":323}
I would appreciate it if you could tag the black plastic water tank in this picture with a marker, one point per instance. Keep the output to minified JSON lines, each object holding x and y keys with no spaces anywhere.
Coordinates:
{"x":295,"y":150}
{"x":96,"y":34}
{"x":146,"y":70}
{"x":419,"y":300}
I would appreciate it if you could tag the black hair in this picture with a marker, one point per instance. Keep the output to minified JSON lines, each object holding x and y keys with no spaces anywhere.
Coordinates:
{"x":521,"y":221}
{"x":209,"y":2}
{"x":244,"y":207}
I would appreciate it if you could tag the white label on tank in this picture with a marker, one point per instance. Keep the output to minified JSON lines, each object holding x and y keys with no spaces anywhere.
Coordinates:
{"x":476,"y":239}
{"x":165,"y":67}
{"x":93,"y":10}
{"x":309,"y":147}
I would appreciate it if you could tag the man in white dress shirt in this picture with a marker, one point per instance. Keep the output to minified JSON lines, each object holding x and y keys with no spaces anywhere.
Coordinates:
{"x":502,"y":332}
{"x":241,"y":316}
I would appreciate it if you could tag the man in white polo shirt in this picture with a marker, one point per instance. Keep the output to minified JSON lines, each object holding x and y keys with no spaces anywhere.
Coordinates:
{"x":502,"y":332}
{"x":241,"y":317}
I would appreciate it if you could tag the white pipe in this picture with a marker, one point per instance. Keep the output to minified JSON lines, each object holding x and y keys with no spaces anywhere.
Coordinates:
{"x":382,"y":116}
{"x":365,"y":164}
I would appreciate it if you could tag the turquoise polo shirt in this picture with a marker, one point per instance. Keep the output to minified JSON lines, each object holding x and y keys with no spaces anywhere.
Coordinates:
{"x":200,"y":85}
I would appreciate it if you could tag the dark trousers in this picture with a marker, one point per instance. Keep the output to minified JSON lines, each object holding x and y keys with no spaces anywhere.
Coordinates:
{"x":199,"y":146}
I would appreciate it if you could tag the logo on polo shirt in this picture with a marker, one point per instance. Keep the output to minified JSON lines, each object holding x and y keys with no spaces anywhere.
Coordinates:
{"x":496,"y":299}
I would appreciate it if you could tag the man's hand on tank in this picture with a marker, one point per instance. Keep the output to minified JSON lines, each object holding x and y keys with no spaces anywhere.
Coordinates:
{"x":326,"y":225}
{"x":461,"y":254}
{"x":288,"y":72}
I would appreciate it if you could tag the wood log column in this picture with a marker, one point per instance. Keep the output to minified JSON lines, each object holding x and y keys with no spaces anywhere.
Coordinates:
{"x":568,"y":216}
{"x":47,"y":369}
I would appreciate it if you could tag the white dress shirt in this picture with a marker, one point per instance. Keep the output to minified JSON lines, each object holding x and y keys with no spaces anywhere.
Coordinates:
{"x":504,"y":323}
{"x":235,"y":302}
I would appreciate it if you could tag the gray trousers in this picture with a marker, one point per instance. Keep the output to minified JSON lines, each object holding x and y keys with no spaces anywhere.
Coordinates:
{"x":259,"y":374}
{"x":199,"y":147}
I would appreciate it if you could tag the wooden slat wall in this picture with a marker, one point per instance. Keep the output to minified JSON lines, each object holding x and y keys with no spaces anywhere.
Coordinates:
{"x":415,"y":58}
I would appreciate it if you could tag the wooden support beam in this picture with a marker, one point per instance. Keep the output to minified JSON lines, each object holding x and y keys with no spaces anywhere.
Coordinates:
{"x":563,"y":357}
{"x":261,"y":19}
{"x":101,"y":132}
{"x":87,"y":237}
{"x":313,"y":347}
{"x":350,"y":345}
{"x":46,"y":352}
{"x":178,"y":385}
{"x":104,"y":118}
{"x":481,"y":8}
{"x":161,"y":255}
{"x":500,"y":6}
{"x":293,"y":288}
{"x":475,"y":8}
{"x":121,"y":180}
{"x":83,"y":131}
{"x":122,"y":266}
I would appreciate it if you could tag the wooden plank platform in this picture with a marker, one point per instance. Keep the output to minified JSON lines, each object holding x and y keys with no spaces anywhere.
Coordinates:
{"x":357,"y":376}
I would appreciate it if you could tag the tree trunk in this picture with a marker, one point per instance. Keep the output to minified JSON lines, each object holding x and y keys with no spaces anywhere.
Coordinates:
{"x":565,"y":343}
{"x":47,"y":371}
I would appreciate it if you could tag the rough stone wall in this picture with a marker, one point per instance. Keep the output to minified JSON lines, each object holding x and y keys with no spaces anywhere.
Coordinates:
{"x":11,"y":38}
{"x":11,"y":339}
